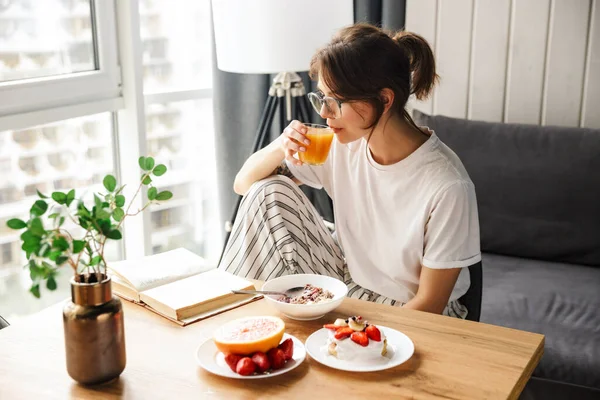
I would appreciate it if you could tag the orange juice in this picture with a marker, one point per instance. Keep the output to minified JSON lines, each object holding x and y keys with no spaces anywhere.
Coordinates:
{"x":320,"y":141}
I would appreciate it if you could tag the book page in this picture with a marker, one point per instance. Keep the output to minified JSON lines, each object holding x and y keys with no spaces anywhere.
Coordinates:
{"x":195,"y":292}
{"x":159,"y":269}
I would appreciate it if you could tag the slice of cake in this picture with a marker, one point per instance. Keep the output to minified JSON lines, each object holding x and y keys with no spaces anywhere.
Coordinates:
{"x":355,"y":339}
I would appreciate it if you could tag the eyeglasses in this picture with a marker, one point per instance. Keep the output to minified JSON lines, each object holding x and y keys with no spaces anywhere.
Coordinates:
{"x":333,"y":107}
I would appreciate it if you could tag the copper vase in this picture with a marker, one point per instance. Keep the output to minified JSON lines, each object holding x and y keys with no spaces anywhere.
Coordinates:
{"x":94,"y":332}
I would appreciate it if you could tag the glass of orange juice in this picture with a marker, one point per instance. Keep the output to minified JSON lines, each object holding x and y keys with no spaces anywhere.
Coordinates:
{"x":320,"y":137}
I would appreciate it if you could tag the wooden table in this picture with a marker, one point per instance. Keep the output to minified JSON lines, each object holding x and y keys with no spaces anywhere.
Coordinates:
{"x":453,"y":359}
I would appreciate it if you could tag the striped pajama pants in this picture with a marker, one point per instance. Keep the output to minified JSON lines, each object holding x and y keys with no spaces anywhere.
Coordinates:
{"x":278,"y":232}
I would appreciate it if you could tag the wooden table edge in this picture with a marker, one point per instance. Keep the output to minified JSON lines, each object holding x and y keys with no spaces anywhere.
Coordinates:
{"x":528,"y":371}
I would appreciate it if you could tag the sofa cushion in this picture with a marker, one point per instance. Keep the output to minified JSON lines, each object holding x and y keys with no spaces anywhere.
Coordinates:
{"x":558,"y":300}
{"x":538,"y":188}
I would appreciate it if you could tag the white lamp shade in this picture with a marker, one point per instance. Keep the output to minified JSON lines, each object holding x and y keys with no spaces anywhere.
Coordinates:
{"x":271,"y":36}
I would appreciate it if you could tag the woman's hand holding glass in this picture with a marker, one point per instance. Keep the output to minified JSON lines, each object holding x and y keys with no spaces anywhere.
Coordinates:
{"x":293,"y":140}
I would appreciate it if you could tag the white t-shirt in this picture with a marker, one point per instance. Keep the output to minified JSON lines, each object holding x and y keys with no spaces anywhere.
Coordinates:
{"x":392,"y":219}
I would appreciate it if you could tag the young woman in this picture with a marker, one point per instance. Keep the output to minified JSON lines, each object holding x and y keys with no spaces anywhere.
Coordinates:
{"x":406,"y":220}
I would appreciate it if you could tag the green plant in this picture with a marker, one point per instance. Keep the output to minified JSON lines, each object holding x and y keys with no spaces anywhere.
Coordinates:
{"x":48,"y":249}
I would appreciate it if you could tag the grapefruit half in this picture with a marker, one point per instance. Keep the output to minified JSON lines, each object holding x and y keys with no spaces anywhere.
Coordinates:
{"x":248,"y":335}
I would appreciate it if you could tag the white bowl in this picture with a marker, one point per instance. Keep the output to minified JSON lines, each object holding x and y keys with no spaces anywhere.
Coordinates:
{"x":306,"y":312}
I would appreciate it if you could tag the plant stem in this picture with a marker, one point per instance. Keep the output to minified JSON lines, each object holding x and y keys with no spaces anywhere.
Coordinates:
{"x":139,"y":211}
{"x":134,"y":196}
{"x":123,"y":219}
{"x":81,"y":252}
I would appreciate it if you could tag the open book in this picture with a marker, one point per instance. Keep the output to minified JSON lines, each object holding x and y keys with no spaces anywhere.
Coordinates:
{"x":178,"y":285}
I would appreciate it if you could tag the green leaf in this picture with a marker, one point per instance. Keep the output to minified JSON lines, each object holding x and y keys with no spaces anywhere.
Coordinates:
{"x":61,"y":260}
{"x":149,"y":163}
{"x":37,"y":227}
{"x":54,"y":255}
{"x":61,"y":244}
{"x":78,"y":245}
{"x":97,"y":201}
{"x":118,"y":214}
{"x":35,"y":290}
{"x":110,"y":182}
{"x":31,"y":247}
{"x":84,"y":223}
{"x":159,"y":170}
{"x":146,"y":179}
{"x":28,"y":236}
{"x":120,"y":200}
{"x":51,"y":283}
{"x":114,"y":234}
{"x":164,"y":195}
{"x":94,"y":261}
{"x":39,"y":208}
{"x":70,"y":197}
{"x":152,"y":193}
{"x":142,"y":162}
{"x":42,"y":196}
{"x":59,"y":197}
{"x":104,"y":226}
{"x":35,"y":272}
{"x":83,"y":211}
{"x":33,"y":242}
{"x":102,"y":214}
{"x":48,"y":270}
{"x":53,"y":215}
{"x":16,"y":224}
{"x":61,"y":221}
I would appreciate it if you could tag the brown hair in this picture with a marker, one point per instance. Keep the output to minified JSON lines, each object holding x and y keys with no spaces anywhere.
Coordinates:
{"x":363,"y":59}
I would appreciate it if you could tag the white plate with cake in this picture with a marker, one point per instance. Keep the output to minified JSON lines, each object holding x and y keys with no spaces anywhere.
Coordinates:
{"x":356,"y":345}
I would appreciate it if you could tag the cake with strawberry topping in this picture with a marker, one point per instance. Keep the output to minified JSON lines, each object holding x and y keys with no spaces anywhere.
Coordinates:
{"x":355,"y":339}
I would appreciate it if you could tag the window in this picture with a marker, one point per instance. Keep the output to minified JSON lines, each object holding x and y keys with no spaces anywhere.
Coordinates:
{"x":177,"y":67}
{"x":176,"y":56}
{"x":181,"y":135}
{"x":55,"y":53}
{"x":47,"y":158}
{"x":45,"y":39}
{"x":64,"y":121}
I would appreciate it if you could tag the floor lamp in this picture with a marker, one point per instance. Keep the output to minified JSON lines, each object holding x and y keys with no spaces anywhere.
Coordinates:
{"x":275,"y":37}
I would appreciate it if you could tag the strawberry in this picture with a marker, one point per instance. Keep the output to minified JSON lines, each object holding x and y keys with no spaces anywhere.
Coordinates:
{"x":276,"y":358}
{"x":245,"y":366}
{"x":288,"y":348}
{"x":262,"y":361}
{"x":232,"y":361}
{"x":343,"y":333}
{"x":333,"y":327}
{"x":360,"y":338}
{"x":373,"y":333}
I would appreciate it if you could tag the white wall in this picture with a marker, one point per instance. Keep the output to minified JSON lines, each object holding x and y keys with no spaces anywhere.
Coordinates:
{"x":527,"y":61}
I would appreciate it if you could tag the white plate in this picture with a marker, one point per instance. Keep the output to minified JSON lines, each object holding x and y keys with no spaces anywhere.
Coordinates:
{"x":399,"y":349}
{"x":212,"y":360}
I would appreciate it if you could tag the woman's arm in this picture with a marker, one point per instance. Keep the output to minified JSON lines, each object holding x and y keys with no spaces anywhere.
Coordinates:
{"x":271,"y":159}
{"x":434,"y":291}
{"x":258,"y":166}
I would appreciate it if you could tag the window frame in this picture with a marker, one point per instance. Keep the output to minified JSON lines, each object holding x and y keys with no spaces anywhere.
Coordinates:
{"x":29,"y":97}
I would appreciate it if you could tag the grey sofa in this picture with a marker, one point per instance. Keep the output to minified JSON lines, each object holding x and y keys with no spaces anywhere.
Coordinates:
{"x":538,"y":193}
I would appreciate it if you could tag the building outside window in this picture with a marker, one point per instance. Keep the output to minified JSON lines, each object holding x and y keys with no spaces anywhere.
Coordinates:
{"x":64,"y":122}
